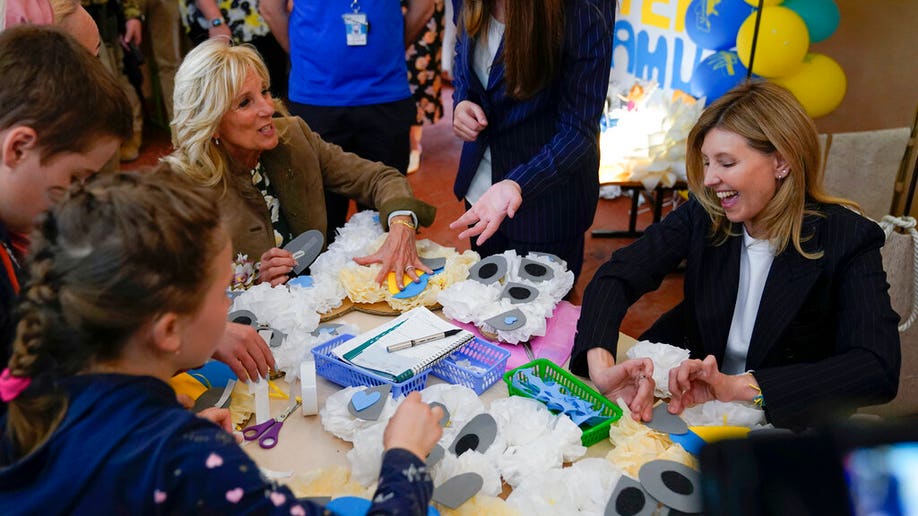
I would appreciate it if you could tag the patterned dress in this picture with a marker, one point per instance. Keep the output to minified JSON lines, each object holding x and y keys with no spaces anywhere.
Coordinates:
{"x":424,"y":66}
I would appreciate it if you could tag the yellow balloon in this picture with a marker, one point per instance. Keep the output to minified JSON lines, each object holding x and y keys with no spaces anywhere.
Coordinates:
{"x":755,"y":3}
{"x":783,"y":41}
{"x":819,"y":84}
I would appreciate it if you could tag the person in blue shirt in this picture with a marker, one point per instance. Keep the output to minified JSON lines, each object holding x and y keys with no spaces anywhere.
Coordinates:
{"x":348,"y":76}
{"x":128,"y":286}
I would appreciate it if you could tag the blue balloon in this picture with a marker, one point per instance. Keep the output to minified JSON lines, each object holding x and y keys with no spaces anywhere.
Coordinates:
{"x":713,"y":23}
{"x":717,"y":74}
{"x":820,"y":16}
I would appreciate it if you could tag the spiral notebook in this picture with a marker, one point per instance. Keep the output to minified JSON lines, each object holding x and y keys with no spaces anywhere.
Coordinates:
{"x":368,"y":350}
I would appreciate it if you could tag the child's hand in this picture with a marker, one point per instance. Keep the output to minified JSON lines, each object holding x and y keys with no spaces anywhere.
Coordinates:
{"x":414,"y":427}
{"x":220,"y":416}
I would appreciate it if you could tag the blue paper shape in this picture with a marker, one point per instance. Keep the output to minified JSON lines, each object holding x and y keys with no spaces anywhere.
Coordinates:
{"x":510,"y":320}
{"x":691,"y":441}
{"x":213,"y":374}
{"x":349,"y":506}
{"x":413,"y":289}
{"x":301,"y":281}
{"x":356,"y":506}
{"x":557,"y":398}
{"x":363,"y":400}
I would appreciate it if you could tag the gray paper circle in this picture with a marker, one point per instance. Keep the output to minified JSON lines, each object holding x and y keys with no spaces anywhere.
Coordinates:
{"x":665,"y":422}
{"x":458,"y":489}
{"x":518,"y":293}
{"x":482,"y":429}
{"x":658,"y":478}
{"x":489,"y":270}
{"x":535,"y":271}
{"x":625,"y":484}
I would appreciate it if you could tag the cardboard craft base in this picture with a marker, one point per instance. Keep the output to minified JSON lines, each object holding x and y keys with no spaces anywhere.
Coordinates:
{"x":346,"y":306}
{"x":383,"y":308}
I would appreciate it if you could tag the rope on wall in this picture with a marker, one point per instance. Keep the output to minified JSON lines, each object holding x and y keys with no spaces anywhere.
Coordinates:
{"x":907,"y":224}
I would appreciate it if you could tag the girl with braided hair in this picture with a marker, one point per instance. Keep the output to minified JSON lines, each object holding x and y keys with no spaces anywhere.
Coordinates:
{"x":112,"y":310}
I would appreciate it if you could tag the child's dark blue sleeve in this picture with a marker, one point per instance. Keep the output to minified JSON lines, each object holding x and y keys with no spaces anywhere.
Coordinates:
{"x":204,"y":471}
{"x":404,"y":487}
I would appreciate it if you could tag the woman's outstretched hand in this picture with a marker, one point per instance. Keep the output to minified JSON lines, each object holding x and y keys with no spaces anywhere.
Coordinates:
{"x":398,"y":254}
{"x":501,"y":200}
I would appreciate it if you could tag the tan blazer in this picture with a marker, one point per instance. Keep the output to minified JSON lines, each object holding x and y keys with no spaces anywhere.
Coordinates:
{"x":300,"y":168}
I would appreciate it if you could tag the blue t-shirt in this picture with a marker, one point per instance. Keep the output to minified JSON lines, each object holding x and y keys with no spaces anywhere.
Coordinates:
{"x":325,"y":71}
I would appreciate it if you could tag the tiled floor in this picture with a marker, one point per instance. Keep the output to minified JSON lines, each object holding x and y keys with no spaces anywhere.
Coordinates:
{"x":433,"y":183}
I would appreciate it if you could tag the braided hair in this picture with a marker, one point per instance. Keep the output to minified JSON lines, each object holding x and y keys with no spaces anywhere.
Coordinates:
{"x":105,"y":261}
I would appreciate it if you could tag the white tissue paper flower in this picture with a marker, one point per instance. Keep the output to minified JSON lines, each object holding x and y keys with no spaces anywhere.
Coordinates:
{"x":469,"y":462}
{"x":289,"y":311}
{"x":582,"y":489}
{"x":472,"y":302}
{"x":535,"y":438}
{"x":461,"y":402}
{"x":665,"y":357}
{"x":720,"y":413}
{"x":338,"y":420}
{"x":351,"y":240}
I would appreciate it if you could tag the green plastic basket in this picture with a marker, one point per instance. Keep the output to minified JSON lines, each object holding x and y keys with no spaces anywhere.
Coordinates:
{"x":546,"y":369}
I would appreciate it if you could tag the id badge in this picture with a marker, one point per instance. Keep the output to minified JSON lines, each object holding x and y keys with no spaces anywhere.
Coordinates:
{"x":356,"y":27}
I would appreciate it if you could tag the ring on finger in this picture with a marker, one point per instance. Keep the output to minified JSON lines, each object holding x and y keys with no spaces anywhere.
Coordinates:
{"x":409,"y":268}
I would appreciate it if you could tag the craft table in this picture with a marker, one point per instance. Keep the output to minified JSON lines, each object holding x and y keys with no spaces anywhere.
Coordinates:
{"x":305,"y":446}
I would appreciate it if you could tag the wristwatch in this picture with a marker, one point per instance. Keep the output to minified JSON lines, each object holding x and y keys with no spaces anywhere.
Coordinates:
{"x":216,"y":22}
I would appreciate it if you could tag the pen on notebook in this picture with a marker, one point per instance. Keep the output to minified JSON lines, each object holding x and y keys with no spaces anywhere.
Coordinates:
{"x":414,"y":342}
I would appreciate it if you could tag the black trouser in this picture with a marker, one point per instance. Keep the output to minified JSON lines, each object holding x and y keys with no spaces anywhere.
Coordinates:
{"x":377,"y":132}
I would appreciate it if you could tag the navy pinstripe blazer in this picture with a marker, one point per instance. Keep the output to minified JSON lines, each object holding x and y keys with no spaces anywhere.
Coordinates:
{"x":825,"y":337}
{"x":548,"y":144}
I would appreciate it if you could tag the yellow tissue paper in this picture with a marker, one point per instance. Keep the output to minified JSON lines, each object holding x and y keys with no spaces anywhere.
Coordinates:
{"x":479,"y":504}
{"x":636,"y":444}
{"x":334,"y":482}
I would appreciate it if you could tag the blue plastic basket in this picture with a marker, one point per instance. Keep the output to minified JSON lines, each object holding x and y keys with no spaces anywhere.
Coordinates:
{"x":487,"y":363}
{"x":338,"y":371}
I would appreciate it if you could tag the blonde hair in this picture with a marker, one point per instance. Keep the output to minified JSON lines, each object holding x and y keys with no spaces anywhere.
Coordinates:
{"x":771,"y":120}
{"x":206,"y":83}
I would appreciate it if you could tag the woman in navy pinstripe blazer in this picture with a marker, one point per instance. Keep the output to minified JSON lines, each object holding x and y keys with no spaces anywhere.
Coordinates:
{"x":529,"y":89}
{"x":786,"y":302}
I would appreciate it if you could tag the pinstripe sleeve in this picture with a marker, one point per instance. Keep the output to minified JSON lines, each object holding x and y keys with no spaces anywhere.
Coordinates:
{"x":629,"y":274}
{"x":865,"y":368}
{"x":584,"y":81}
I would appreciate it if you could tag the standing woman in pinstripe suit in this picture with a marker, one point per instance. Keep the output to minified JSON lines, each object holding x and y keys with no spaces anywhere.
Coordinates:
{"x":530,"y":80}
{"x":785,"y":303}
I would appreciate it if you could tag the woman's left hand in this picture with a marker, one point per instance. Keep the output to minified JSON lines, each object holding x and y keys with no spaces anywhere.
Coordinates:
{"x":398,"y":254}
{"x":500,"y":200}
{"x":697,"y":381}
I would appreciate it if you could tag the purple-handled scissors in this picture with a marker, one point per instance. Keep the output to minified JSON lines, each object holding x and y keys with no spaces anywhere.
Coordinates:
{"x":267,"y":432}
